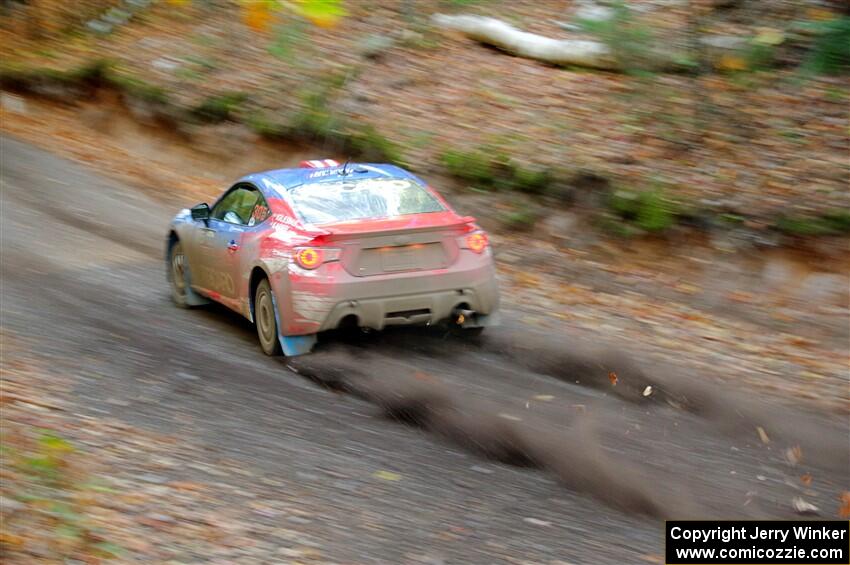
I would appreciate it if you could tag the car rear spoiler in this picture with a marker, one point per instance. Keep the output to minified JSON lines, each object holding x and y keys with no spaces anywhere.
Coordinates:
{"x":340,"y":231}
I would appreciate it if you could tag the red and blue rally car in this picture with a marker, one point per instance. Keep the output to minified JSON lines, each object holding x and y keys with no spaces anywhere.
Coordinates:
{"x":300,"y":251}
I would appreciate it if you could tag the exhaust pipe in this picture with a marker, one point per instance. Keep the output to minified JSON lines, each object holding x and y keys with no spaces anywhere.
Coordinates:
{"x":461,"y":316}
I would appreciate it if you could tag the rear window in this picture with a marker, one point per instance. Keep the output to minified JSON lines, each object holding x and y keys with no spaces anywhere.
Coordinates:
{"x":361,"y":199}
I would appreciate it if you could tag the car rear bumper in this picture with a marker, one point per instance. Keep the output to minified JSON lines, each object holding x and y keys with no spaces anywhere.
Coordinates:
{"x":320,"y":301}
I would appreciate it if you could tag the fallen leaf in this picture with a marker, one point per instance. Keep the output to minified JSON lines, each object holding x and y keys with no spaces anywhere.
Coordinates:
{"x":186,"y":485}
{"x":794,"y":455}
{"x":806,"y":479}
{"x":11,"y":540}
{"x":536,"y":522}
{"x":799,"y":341}
{"x":844,"y":506}
{"x":257,"y":16}
{"x":732,"y":63}
{"x":820,"y":14}
{"x":762,"y":434}
{"x":321,"y":13}
{"x":737,"y":295}
{"x":612,"y":376}
{"x":769,"y":36}
{"x":687,"y":288}
{"x":648,"y":390}
{"x":386,"y":476}
{"x":802,"y":507}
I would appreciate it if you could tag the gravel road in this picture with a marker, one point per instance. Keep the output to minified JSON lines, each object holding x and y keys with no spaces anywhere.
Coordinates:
{"x":407,"y":446}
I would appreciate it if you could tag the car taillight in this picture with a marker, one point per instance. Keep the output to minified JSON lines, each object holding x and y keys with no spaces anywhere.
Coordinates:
{"x":313,"y":257}
{"x":477,"y":242}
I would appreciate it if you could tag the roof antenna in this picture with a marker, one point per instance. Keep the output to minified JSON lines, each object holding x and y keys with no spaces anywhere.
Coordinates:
{"x":347,"y":161}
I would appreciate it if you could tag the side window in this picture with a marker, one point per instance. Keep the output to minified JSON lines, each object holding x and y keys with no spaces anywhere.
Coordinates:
{"x":237,"y":206}
{"x":260,"y":212}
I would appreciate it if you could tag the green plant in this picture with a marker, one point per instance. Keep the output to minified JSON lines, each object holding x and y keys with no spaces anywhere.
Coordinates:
{"x":830,"y":54}
{"x":472,"y":166}
{"x":369,"y":144}
{"x":531,"y":181}
{"x":649,"y":210}
{"x":138,"y":88}
{"x":43,"y":475}
{"x":759,"y":56}
{"x":260,"y":123}
{"x":460,"y":3}
{"x":315,"y":118}
{"x":91,"y":74}
{"x":630,"y":41}
{"x":288,"y":36}
{"x":219,"y":107}
{"x":520,"y":218}
{"x":832,"y":223}
{"x":492,"y":169}
{"x":204,"y":64}
{"x":50,"y":459}
{"x":731,"y":219}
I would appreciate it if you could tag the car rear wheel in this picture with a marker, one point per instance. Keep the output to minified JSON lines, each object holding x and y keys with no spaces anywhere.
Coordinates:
{"x":265,"y":319}
{"x":177,"y":275}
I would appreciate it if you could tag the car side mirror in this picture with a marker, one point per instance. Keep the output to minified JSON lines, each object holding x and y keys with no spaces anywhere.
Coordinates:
{"x":201,"y":212}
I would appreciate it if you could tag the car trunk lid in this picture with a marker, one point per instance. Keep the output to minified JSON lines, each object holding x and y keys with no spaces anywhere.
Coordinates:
{"x":396,"y":245}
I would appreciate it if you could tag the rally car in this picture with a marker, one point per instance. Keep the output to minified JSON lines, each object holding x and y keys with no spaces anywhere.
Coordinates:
{"x":323,"y":246}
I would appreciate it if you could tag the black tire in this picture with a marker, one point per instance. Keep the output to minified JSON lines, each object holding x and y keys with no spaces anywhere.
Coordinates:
{"x":265,"y":319}
{"x":178,"y":270}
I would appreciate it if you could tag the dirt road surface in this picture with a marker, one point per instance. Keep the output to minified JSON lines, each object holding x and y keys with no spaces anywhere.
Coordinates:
{"x":410,"y":446}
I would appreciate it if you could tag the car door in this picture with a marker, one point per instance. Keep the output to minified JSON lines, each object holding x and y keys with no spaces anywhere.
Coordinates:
{"x":220,"y":243}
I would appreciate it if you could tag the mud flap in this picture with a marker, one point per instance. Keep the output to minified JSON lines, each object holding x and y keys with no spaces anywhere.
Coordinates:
{"x":192,"y":297}
{"x":291,"y":345}
{"x":297,"y":344}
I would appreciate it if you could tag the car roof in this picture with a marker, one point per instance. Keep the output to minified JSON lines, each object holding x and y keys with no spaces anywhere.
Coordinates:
{"x":279,"y":181}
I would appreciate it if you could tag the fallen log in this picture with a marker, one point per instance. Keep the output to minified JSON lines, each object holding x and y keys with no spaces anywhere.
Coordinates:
{"x":561,"y":52}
